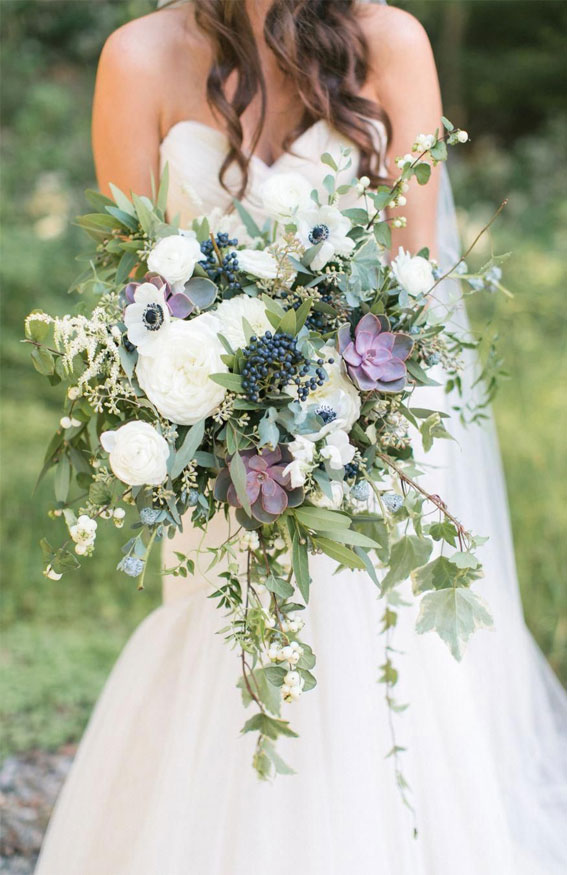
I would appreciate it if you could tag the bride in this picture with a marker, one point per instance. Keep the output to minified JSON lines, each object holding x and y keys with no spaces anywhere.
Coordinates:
{"x":228,"y":92}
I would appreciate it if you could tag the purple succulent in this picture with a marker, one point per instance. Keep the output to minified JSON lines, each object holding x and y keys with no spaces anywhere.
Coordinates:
{"x":375,"y":358}
{"x":198,"y":292}
{"x":267,"y":487}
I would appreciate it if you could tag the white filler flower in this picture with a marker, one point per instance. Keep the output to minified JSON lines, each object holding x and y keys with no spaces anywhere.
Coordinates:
{"x":230,"y":314}
{"x":257,"y":262}
{"x":328,"y":226}
{"x":174,"y":258}
{"x":137,"y":454}
{"x":176,"y":378}
{"x":283,"y":193}
{"x":147,"y":318}
{"x":413,"y":273}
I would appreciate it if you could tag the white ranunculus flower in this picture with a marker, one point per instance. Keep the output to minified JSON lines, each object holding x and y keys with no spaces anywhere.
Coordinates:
{"x":321,"y":500}
{"x":257,"y":262}
{"x":226,"y":223}
{"x":283,"y":193}
{"x":137,"y":453}
{"x":174,"y":258}
{"x":230,"y":314}
{"x":147,"y":318}
{"x":302,"y":449}
{"x":337,"y":401}
{"x":328,"y":226}
{"x":413,"y":273}
{"x":338,"y":450}
{"x":176,"y":377}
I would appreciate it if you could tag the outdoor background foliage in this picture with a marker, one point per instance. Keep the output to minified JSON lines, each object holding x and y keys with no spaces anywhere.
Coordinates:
{"x":502,"y":73}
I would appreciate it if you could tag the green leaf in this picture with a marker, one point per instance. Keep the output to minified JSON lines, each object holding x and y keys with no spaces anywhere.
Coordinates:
{"x":279,"y":765}
{"x":43,"y":361}
{"x":439,"y":151}
{"x":383,"y":234}
{"x":161,"y":202}
{"x":340,"y":553}
{"x":362,"y":554}
{"x":349,"y":536}
{"x":422,"y":173}
{"x":301,"y":567}
{"x":301,"y":314}
{"x":275,"y":674}
{"x":307,"y":658}
{"x":121,"y":201}
{"x":238,"y":477}
{"x":247,"y":219}
{"x":328,"y":159}
{"x":447,"y":124}
{"x":269,"y":726}
{"x":444,"y":531}
{"x":454,"y":614}
{"x":433,"y":428}
{"x":233,"y":382}
{"x":144,"y":213}
{"x":310,"y":681}
{"x":288,"y":323}
{"x":279,"y":586}
{"x":62,"y":479}
{"x":188,"y":448}
{"x":126,"y":264}
{"x":318,"y":518}
{"x":419,"y":374}
{"x":439,"y":574}
{"x":406,"y":554}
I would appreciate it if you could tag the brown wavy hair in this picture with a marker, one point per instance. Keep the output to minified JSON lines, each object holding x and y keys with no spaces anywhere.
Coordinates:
{"x":319,"y":46}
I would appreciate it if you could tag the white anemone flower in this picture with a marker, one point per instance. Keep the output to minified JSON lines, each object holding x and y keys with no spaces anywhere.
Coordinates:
{"x":328,"y":226}
{"x":147,"y":319}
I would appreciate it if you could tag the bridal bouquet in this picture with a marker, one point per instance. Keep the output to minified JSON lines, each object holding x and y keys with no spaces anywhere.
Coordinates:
{"x":265,"y":374}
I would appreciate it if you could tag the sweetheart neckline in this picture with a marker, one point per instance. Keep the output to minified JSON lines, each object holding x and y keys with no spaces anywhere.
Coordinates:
{"x":252,"y":156}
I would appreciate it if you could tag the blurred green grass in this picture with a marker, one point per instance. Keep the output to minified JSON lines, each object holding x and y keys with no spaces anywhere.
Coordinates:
{"x":60,"y":639}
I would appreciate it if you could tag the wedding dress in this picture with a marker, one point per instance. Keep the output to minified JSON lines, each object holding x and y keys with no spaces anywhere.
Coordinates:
{"x":163,"y":784}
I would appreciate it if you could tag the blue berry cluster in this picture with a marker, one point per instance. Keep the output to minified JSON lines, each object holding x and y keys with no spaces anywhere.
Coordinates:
{"x":273,"y":362}
{"x":229,"y":267}
{"x":351,"y":470}
{"x":316,"y":321}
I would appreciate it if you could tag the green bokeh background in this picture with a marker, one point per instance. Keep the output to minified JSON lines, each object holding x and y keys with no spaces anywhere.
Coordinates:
{"x":502,"y":74}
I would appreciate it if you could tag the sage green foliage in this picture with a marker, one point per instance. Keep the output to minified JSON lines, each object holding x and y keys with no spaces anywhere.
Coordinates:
{"x":61,"y":638}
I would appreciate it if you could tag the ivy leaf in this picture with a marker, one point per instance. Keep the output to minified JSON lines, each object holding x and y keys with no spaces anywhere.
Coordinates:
{"x":454,"y":613}
{"x":444,"y":531}
{"x":406,"y":554}
{"x":269,"y":726}
{"x":433,"y":428}
{"x":275,"y":674}
{"x":279,"y":765}
{"x":439,"y":574}
{"x":310,"y":680}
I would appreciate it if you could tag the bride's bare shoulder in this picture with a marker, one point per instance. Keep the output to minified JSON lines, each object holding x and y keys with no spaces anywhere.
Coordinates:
{"x":395,"y":38}
{"x":165,"y":42}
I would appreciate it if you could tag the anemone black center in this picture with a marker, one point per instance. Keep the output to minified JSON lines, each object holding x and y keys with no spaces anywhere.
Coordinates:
{"x":326,"y":413}
{"x":153,"y":317}
{"x":318,"y":233}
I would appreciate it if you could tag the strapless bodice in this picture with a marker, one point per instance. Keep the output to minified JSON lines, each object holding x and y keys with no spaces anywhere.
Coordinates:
{"x":195,"y":151}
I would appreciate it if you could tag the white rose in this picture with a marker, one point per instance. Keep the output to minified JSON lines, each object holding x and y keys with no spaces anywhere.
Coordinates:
{"x":321,"y":500}
{"x":174,"y":258}
{"x":230,"y":314}
{"x":137,"y":454}
{"x":338,"y":451}
{"x":176,"y":377}
{"x":413,"y":273}
{"x":337,"y":400}
{"x":257,"y":262}
{"x":282,"y":193}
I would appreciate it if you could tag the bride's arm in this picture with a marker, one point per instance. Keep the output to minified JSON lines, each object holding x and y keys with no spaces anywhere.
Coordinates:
{"x":407,"y":87}
{"x":126,"y":110}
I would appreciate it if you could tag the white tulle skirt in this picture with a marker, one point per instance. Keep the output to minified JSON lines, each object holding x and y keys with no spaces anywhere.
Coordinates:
{"x":163,"y":785}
